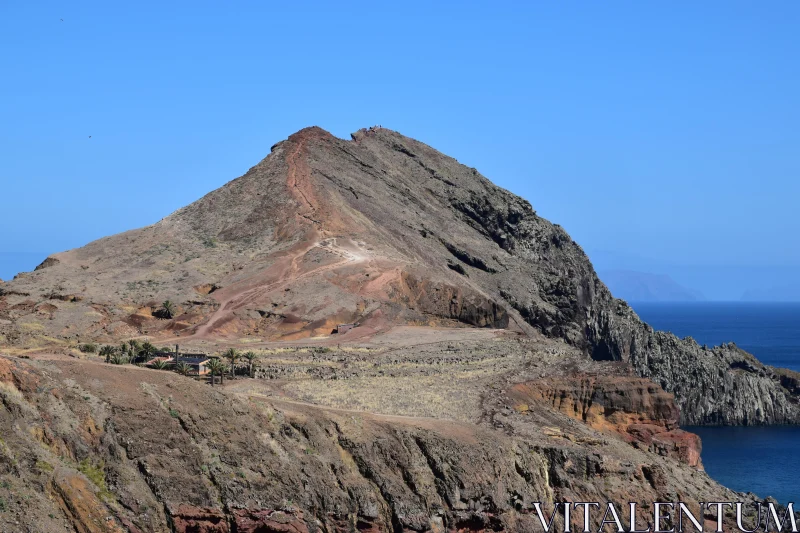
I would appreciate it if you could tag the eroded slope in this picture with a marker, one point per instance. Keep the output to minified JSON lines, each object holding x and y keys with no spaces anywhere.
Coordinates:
{"x":98,"y":447}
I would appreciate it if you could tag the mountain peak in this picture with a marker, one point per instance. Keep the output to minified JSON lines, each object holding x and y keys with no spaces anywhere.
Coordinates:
{"x":382,"y":231}
{"x":311,"y":132}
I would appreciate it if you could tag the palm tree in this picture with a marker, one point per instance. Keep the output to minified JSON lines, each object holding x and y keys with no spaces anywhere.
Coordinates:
{"x":148,"y":350}
{"x":133,"y":349}
{"x":251,"y":359}
{"x":118,"y":359}
{"x":167,"y":309}
{"x":108,"y":351}
{"x":159,"y":364}
{"x":216,"y":368}
{"x":232,"y":356}
{"x":183,"y":369}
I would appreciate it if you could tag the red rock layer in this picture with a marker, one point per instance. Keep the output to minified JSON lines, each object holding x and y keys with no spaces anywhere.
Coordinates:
{"x":635,"y":408}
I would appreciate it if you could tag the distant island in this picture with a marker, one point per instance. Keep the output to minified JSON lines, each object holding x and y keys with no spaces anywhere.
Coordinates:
{"x":784,"y":293}
{"x":636,"y":286}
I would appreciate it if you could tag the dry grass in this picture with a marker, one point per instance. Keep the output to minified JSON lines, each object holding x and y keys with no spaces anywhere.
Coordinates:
{"x":12,"y":396}
{"x":441,"y":396}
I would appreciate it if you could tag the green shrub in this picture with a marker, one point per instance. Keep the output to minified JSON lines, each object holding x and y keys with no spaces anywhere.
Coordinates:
{"x":159,"y":364}
{"x":44,"y":466}
{"x":88,"y":348}
{"x":96,"y":473}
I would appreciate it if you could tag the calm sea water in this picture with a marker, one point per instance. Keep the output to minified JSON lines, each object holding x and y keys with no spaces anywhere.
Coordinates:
{"x":763,"y":460}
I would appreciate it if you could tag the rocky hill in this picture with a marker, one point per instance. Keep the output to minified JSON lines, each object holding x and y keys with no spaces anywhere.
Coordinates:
{"x":378,"y":230}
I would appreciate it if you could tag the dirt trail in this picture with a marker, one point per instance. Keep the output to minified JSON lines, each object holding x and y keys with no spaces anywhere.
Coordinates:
{"x":300,"y":186}
{"x":238,"y":298}
{"x":234,"y":298}
{"x":293,"y":161}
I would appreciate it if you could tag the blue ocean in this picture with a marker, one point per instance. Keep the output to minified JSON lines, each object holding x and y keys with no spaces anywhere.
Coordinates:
{"x":763,"y":460}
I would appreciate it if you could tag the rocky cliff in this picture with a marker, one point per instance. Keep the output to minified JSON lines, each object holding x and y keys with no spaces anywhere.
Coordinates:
{"x":635,"y":408}
{"x":97,"y":448}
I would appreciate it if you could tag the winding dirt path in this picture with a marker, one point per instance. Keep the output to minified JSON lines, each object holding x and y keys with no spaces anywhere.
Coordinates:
{"x":291,"y":274}
{"x":287,"y":266}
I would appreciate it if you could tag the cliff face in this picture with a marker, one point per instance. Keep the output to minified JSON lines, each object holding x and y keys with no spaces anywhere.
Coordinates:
{"x":720,"y":385}
{"x":635,"y":408}
{"x":97,"y":448}
{"x":381,"y":230}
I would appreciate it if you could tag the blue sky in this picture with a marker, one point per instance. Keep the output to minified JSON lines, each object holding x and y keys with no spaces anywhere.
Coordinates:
{"x":658,"y":134}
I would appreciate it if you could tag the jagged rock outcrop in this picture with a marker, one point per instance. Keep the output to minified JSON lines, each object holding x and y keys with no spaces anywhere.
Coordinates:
{"x":449,"y":301}
{"x":563,"y":297}
{"x":720,"y":385}
{"x":50,"y":261}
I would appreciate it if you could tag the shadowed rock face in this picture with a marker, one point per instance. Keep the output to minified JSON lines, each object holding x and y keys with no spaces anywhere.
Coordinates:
{"x":325,"y":230}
